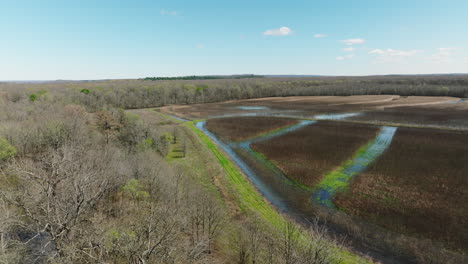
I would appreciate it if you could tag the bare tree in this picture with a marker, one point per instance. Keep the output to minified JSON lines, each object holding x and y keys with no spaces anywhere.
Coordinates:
{"x":11,"y":251}
{"x":205,"y":221}
{"x":60,"y":189}
{"x":321,"y":248}
{"x":289,"y":243}
{"x":106,"y":123}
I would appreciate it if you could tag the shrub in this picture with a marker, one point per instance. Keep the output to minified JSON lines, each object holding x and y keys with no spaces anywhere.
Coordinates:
{"x":33,"y":97}
{"x":85,"y":91}
{"x":6,"y":150}
{"x":135,"y":189}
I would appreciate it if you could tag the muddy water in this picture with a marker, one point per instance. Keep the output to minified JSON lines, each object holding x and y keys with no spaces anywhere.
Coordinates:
{"x":457,"y":102}
{"x":336,"y":116}
{"x":253,"y":107}
{"x":177,"y":118}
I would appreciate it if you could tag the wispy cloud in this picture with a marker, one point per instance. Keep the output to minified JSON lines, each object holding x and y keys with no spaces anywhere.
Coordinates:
{"x":200,"y":46}
{"x":350,"y":49}
{"x":443,"y":55}
{"x":394,"y":53}
{"x":341,"y":58}
{"x":320,"y":35}
{"x":353,"y":41}
{"x":166,"y":12}
{"x":282,"y":31}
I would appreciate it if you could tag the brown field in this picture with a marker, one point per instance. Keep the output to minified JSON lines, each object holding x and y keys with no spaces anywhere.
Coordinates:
{"x":241,"y":128}
{"x":306,"y":105}
{"x":307,"y":154}
{"x":419,"y":186}
{"x":440,"y":115}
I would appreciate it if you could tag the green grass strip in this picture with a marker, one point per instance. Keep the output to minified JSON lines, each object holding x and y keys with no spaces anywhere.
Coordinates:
{"x":336,"y":180}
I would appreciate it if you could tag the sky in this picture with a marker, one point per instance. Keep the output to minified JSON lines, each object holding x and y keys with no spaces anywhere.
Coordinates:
{"x":107,"y":39}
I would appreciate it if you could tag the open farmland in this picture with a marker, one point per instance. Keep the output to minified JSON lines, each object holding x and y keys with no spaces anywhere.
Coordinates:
{"x":418,"y":187}
{"x":242,"y":128}
{"x":291,"y":166}
{"x":307,"y":154}
{"x":421,"y":111}
{"x":447,"y":115}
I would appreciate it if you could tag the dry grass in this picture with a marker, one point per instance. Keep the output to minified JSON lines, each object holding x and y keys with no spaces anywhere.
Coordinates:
{"x":307,"y":154}
{"x":418,"y":187}
{"x":241,"y":128}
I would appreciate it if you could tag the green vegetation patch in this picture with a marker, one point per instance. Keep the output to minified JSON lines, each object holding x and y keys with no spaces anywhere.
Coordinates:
{"x":337,"y":180}
{"x":6,"y":150}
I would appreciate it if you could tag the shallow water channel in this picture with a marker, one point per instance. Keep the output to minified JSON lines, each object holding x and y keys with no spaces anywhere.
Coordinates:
{"x":286,"y":195}
{"x":281,"y":191}
{"x":336,"y":180}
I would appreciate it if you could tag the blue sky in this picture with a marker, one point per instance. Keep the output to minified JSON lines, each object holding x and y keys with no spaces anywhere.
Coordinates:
{"x":97,"y":39}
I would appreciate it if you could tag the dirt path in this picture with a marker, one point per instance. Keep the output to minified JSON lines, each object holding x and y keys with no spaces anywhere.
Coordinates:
{"x":447,"y":100}
{"x":393,"y":97}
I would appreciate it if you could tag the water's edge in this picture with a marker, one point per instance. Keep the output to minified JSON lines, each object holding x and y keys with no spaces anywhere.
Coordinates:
{"x":338,"y":179}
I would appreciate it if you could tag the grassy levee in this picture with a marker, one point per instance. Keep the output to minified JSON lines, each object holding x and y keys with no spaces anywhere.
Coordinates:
{"x":250,"y":201}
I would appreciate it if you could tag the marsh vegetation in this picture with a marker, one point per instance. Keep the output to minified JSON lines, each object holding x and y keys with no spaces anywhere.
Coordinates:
{"x":307,"y":154}
{"x":419,"y":186}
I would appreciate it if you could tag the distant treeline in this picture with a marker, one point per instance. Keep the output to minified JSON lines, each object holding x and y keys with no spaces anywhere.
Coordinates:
{"x":203,"y":77}
{"x":130,"y":94}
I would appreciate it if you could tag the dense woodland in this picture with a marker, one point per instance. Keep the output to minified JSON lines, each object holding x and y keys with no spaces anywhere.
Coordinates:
{"x":203,"y":77}
{"x":131,"y":94}
{"x":84,"y":181}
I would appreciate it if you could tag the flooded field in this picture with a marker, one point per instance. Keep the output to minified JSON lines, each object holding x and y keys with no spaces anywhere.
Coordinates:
{"x":411,"y":110}
{"x":321,"y":157}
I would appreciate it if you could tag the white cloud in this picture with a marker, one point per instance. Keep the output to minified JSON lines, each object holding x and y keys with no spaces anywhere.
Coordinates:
{"x":394,"y":53}
{"x":320,"y":36}
{"x":377,"y":51}
{"x":200,"y":46}
{"x":282,"y":31}
{"x":354,"y":41}
{"x":350,"y":49}
{"x":166,"y":12}
{"x":443,"y":55}
{"x":340,"y":58}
